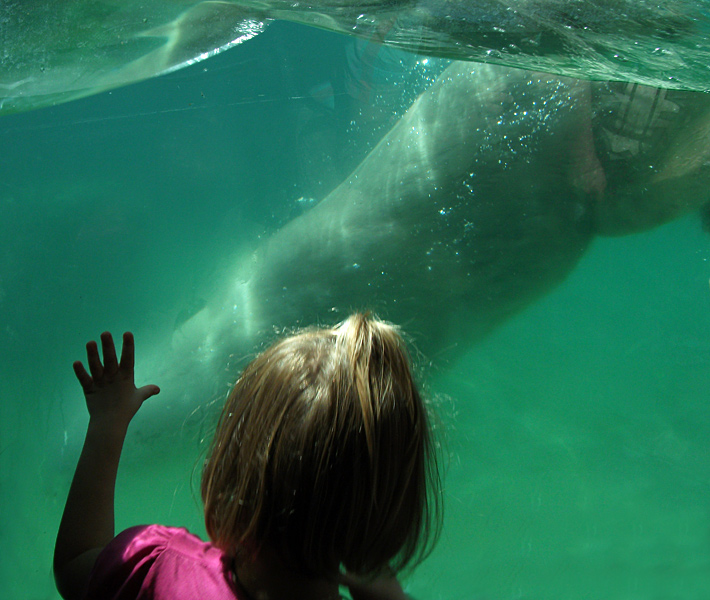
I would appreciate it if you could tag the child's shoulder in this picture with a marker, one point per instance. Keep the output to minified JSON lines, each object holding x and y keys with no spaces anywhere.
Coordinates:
{"x":142,"y":539}
{"x":163,"y":560}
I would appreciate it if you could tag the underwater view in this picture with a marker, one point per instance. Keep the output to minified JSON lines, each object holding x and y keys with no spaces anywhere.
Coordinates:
{"x":542,"y":239}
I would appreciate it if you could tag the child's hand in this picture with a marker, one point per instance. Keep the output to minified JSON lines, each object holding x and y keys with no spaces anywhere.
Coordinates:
{"x":111,"y":395}
{"x":385,"y":587}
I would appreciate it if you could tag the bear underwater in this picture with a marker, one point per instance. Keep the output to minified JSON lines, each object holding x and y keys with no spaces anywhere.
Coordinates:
{"x":481,"y":199}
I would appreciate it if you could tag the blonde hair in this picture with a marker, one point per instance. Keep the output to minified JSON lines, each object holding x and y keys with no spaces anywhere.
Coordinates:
{"x":324,"y":454}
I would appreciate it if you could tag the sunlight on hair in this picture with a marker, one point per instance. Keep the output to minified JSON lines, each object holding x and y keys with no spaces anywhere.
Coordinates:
{"x":324,"y":455}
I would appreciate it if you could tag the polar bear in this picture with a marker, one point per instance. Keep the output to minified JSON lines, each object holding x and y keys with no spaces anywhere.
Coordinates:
{"x":481,"y":199}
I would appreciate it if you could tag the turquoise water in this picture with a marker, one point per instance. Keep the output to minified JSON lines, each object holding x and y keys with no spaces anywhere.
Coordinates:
{"x":576,"y":432}
{"x":582,"y":465}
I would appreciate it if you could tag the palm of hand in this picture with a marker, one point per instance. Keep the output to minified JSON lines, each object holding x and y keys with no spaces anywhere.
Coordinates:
{"x":111,"y":395}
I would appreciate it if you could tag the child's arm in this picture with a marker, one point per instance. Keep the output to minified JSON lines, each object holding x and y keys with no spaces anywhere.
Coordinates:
{"x":88,"y":521}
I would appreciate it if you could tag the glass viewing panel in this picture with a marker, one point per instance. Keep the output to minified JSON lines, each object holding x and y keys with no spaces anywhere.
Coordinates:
{"x":543,"y":241}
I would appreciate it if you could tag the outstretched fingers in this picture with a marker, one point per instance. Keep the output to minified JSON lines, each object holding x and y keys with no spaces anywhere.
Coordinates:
{"x":98,"y":370}
{"x":128,"y":353}
{"x":94,"y":360}
{"x":109,"y":351}
{"x":111,"y":395}
{"x":84,"y":378}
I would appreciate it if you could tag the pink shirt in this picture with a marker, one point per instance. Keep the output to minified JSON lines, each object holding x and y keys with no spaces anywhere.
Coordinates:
{"x":153,"y":562}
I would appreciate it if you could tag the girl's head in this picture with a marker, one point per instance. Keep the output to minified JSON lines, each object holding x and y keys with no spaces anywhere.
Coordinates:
{"x":323,"y":454}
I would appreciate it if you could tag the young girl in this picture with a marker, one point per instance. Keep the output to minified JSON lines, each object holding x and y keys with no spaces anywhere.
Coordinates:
{"x":322,"y":473}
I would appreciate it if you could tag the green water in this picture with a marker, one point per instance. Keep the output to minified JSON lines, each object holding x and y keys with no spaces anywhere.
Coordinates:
{"x":576,"y":434}
{"x":580,"y":465}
